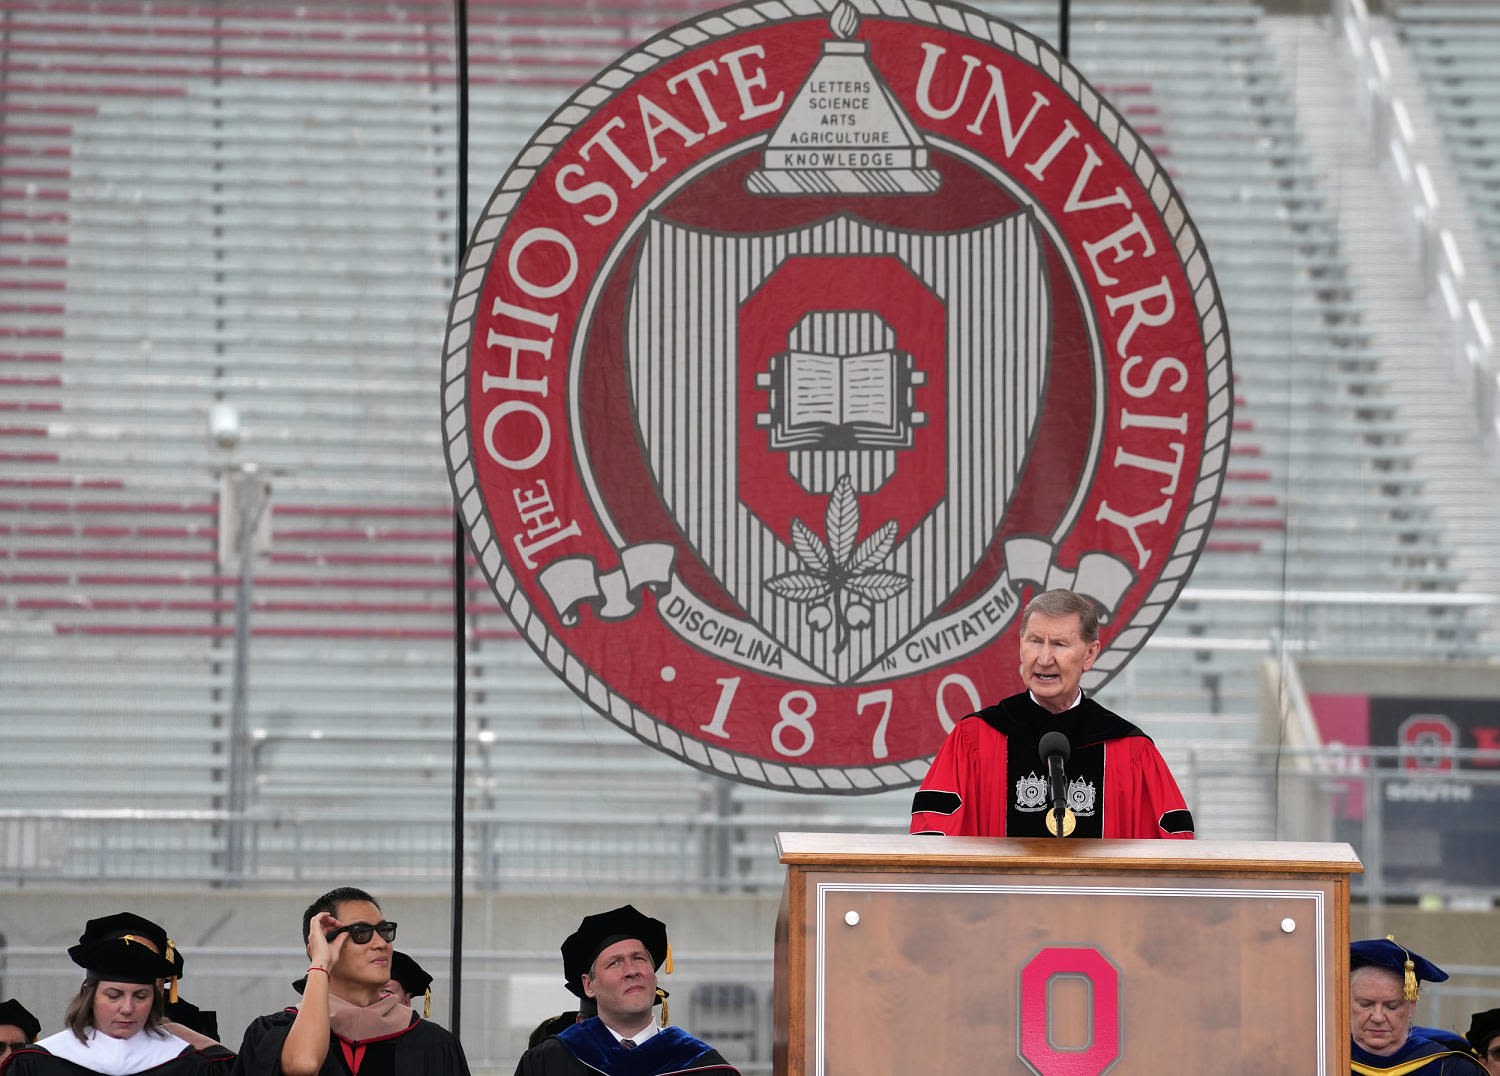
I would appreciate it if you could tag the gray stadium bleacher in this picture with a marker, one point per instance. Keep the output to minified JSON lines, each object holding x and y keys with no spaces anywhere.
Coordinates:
{"x":1454,"y":46}
{"x":262,"y":216}
{"x":210,"y":205}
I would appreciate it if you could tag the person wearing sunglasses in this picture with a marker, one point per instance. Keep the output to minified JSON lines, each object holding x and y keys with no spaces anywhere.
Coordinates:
{"x":408,"y":981}
{"x":347,"y":1023}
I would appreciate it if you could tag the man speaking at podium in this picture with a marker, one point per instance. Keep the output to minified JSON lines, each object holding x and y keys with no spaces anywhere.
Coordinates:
{"x":990,"y":778}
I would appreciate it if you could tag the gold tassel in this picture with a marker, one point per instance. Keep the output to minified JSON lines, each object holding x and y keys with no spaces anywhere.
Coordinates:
{"x":171,"y":952}
{"x":666,"y":967}
{"x":129,"y":939}
{"x":427,"y":1005}
{"x":1409,"y":988}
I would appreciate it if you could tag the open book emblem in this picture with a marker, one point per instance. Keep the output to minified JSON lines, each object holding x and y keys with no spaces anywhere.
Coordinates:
{"x":842,"y":387}
{"x":831,"y":390}
{"x":796,"y":348}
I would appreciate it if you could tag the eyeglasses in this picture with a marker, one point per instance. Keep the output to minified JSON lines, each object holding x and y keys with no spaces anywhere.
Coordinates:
{"x":361,"y":933}
{"x":6,"y":1046}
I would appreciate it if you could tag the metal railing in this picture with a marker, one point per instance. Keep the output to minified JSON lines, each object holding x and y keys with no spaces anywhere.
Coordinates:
{"x":515,"y":853}
{"x":1379,"y":800}
{"x":1399,"y":808}
{"x":1363,"y":623}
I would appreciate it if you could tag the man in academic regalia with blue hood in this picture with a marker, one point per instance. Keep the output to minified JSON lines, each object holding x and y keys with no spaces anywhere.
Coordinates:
{"x":1383,"y":985}
{"x":612,"y":959}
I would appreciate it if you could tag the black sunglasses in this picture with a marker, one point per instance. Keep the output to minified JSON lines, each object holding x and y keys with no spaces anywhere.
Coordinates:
{"x":361,"y":933}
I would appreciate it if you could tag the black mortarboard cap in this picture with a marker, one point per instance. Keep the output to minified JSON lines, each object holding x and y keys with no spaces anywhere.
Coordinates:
{"x":597,"y":933}
{"x":1483,"y":1026}
{"x":413,"y":979}
{"x":118,"y":949}
{"x":12,"y":1012}
{"x":130,"y":925}
{"x":1385,"y":953}
{"x":406,"y":971}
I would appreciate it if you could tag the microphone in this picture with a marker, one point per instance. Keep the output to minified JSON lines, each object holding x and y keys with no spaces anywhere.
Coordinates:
{"x":1055,"y":749}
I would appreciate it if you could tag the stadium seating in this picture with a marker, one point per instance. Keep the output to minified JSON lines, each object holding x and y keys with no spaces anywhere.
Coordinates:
{"x":202,"y":207}
{"x":1454,"y":49}
{"x":207,"y":204}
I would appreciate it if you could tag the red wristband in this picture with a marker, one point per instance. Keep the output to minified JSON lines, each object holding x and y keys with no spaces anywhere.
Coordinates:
{"x":317,"y":967}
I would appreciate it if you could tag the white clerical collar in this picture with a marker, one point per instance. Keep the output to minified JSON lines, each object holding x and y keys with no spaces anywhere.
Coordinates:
{"x":639,"y":1037}
{"x":115,"y":1057}
{"x":1077,"y":700}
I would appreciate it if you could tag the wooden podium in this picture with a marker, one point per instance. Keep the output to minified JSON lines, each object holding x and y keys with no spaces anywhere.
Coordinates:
{"x":935,"y":955}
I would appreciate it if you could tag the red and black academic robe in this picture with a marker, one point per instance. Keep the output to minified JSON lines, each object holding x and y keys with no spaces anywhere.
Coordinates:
{"x":35,"y":1061}
{"x":587,"y":1048}
{"x":422,"y":1049}
{"x":988,"y":779}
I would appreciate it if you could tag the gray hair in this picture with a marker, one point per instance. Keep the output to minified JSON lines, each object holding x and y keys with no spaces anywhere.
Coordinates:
{"x":1390,"y":973}
{"x":1059,"y":603}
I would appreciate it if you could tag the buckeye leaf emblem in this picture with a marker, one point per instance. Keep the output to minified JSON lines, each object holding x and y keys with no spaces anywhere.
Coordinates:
{"x":840,"y":580}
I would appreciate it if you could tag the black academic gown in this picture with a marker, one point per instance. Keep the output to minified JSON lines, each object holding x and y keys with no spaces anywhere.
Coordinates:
{"x":35,"y":1061}
{"x":423,"y":1049}
{"x":587,"y":1048}
{"x":184,"y":1012}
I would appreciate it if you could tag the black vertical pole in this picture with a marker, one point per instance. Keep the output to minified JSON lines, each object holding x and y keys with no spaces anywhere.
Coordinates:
{"x":1062,"y":27}
{"x":460,"y":576}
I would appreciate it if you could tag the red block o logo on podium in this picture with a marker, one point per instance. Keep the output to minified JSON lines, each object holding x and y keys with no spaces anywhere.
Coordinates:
{"x":1035,"y":1045}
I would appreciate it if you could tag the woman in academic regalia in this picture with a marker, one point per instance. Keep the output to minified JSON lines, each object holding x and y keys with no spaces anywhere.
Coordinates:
{"x":115,"y":1023}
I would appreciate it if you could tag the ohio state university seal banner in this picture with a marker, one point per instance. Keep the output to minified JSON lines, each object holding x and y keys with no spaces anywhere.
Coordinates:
{"x":802,"y":345}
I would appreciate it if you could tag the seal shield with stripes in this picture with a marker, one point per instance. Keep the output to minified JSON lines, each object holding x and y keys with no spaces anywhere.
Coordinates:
{"x":813,"y":313}
{"x":796,"y":349}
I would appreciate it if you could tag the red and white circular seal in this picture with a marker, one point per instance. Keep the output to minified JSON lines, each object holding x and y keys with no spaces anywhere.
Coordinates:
{"x":797,"y":349}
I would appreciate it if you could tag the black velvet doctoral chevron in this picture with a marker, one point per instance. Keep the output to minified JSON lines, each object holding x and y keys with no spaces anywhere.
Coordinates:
{"x":936,"y":802}
{"x":1087,"y":726}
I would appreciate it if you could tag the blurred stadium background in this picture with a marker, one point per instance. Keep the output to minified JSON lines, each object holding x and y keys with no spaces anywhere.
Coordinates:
{"x":227,"y":240}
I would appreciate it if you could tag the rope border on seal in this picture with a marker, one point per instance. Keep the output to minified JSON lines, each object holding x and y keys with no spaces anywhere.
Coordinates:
{"x":469,"y":281}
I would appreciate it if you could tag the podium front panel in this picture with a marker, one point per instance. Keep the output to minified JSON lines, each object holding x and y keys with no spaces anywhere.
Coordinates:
{"x":1056,"y":974}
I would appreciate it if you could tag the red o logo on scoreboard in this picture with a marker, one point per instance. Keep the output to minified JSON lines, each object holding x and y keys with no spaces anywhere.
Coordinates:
{"x":1427,"y":741}
{"x":796,"y":347}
